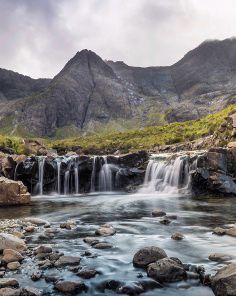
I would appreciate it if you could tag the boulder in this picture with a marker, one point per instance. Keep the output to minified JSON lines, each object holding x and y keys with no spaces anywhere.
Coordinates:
{"x":231,"y":231}
{"x":67,"y":260}
{"x":13,"y":193}
{"x":30,"y":291}
{"x":8,"y":241}
{"x":70,"y":287}
{"x":9,"y":292}
{"x":13,"y":265}
{"x":166,"y":270}
{"x":10,"y":255}
{"x":177,"y":236}
{"x":224,"y":282}
{"x":158,"y":213}
{"x":9,"y":282}
{"x":148,"y":255}
{"x":102,"y":245}
{"x":106,"y":230}
{"x":220,"y":257}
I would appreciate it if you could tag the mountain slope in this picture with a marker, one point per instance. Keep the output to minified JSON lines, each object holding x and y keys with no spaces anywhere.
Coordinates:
{"x":14,"y":85}
{"x":92,"y":95}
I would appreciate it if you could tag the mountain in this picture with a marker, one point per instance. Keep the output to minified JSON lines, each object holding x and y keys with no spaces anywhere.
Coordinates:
{"x":93,"y":95}
{"x":14,"y":85}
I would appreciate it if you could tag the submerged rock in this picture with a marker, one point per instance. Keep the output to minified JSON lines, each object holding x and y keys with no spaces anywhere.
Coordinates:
{"x":166,"y":270}
{"x":148,"y":255}
{"x":219,"y":231}
{"x":224,"y":282}
{"x":36,"y":221}
{"x":103,"y":245}
{"x":158,"y":213}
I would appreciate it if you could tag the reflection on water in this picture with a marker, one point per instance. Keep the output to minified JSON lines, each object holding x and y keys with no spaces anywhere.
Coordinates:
{"x":130,"y":215}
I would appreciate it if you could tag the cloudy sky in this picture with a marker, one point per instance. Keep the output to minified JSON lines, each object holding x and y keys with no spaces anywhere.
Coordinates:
{"x":37,"y":37}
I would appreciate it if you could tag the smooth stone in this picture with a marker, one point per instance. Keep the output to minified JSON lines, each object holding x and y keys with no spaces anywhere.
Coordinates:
{"x":10,"y":255}
{"x":70,"y":287}
{"x":30,"y":291}
{"x":36,"y":221}
{"x":166,"y":270}
{"x":231,"y":231}
{"x":35,"y":276}
{"x":43,"y":249}
{"x":67,"y":260}
{"x":30,"y":229}
{"x":219,"y":231}
{"x":165,"y":221}
{"x":9,"y":292}
{"x":45,"y":264}
{"x":134,"y":288}
{"x":9,"y":241}
{"x":158,"y":213}
{"x":8,"y":282}
{"x":91,"y":240}
{"x":102,"y":245}
{"x":87,"y":273}
{"x":224,"y":282}
{"x":177,"y":236}
{"x":220,"y":257}
{"x":148,"y":255}
{"x":13,"y":265}
{"x":105,"y":230}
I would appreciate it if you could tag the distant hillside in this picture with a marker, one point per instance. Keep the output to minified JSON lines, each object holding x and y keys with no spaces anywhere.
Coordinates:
{"x":91,"y":95}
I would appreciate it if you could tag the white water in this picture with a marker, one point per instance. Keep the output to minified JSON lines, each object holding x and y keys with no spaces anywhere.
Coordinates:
{"x":76,"y":173}
{"x":93,"y":176}
{"x":40,"y":174}
{"x":105,"y":176}
{"x":59,"y":177}
{"x":167,"y":175}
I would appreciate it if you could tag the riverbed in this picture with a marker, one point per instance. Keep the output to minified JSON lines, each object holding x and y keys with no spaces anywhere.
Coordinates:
{"x":130,"y":214}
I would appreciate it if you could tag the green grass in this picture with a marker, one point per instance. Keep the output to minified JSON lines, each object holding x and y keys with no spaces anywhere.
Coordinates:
{"x":131,"y":140}
{"x":149,"y":137}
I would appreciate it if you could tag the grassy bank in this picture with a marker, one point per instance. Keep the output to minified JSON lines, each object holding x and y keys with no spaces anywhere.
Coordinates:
{"x":132,"y":140}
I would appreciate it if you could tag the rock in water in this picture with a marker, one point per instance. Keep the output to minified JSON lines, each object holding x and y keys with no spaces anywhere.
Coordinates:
{"x":166,"y":270}
{"x":13,"y":193}
{"x":148,"y":255}
{"x":10,"y":255}
{"x":67,"y":260}
{"x":9,"y":292}
{"x":8,"y":282}
{"x":8,"y":241}
{"x":106,"y":230}
{"x":220,"y":257}
{"x":70,"y":287}
{"x":224,"y":282}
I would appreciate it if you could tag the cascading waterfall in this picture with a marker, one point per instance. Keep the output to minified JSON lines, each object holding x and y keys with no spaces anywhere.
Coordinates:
{"x":93,"y":175}
{"x":76,"y":174}
{"x":59,"y":176}
{"x":167,"y":175}
{"x":39,"y":185}
{"x":105,"y":176}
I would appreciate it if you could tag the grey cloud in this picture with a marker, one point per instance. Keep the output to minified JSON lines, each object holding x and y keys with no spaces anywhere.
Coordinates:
{"x":37,"y":37}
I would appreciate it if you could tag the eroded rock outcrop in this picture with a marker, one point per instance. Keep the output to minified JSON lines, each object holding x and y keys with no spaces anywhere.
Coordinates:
{"x":13,"y":192}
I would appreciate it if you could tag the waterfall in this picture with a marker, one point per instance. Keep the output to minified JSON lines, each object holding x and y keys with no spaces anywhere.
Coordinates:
{"x":41,"y":162}
{"x":93,"y":175}
{"x":105,"y":176}
{"x":166,"y":174}
{"x":59,"y":176}
{"x":76,"y":173}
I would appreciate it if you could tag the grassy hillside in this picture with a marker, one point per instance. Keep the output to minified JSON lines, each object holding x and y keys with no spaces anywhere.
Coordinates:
{"x":149,"y":137}
{"x":132,"y":140}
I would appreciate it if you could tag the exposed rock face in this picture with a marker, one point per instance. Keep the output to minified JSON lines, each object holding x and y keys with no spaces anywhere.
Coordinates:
{"x":216,"y":171}
{"x":14,"y":85}
{"x":90,"y":93}
{"x":224,"y":282}
{"x":13,"y":192}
